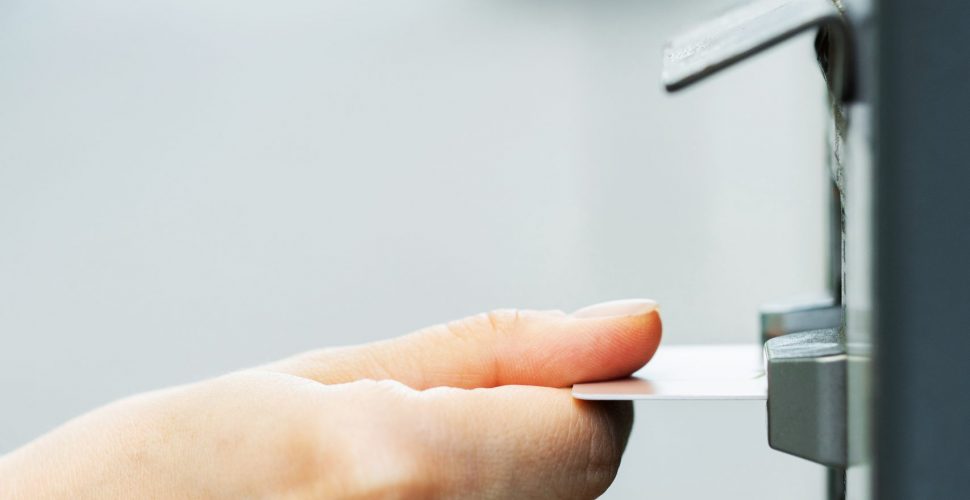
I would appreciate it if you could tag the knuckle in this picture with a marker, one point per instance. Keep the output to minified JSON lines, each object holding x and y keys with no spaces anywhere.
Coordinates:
{"x":493,"y":323}
{"x":463,"y":329}
{"x":502,"y":321}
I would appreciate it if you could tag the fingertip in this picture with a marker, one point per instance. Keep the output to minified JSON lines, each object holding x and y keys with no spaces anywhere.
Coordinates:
{"x":611,"y":341}
{"x":631,"y":331}
{"x":621,"y":344}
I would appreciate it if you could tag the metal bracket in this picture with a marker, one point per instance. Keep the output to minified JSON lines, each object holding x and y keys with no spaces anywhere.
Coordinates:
{"x":754,"y":27}
{"x":793,"y":316}
{"x":807,"y":396}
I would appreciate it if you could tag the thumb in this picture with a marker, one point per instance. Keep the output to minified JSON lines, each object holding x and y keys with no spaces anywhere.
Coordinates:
{"x":506,"y":347}
{"x":503,"y":442}
{"x":525,"y":442}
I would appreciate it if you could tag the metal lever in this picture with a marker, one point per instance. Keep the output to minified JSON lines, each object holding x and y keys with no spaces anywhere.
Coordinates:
{"x":752,"y":28}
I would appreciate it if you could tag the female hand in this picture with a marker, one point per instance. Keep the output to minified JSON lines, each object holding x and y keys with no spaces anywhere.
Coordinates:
{"x":475,"y":407}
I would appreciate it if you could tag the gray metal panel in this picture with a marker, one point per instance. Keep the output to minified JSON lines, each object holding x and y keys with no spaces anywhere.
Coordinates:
{"x":922,"y":176}
{"x":807,"y":397}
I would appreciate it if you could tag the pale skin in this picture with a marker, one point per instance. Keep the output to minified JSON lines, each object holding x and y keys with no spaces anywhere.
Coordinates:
{"x":478,"y":407}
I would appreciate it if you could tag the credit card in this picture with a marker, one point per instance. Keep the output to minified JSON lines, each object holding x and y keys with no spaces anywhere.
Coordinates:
{"x":689,"y":372}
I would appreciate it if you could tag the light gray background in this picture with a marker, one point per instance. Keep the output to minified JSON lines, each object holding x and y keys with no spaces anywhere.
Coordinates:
{"x":192,"y":186}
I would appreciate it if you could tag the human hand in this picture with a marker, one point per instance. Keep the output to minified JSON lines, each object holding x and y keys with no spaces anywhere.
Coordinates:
{"x":472,"y":408}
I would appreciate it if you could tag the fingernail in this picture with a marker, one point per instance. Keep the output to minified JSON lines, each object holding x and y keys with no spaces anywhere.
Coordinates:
{"x":617,"y":308}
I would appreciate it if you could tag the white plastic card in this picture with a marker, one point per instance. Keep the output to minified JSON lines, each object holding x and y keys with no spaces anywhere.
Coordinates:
{"x":689,"y":372}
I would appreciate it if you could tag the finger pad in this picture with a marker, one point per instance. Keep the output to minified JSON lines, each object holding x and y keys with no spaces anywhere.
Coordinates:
{"x":629,"y":346}
{"x":592,"y":349}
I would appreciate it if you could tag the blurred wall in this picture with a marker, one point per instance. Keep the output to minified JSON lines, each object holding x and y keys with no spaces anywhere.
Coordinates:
{"x":192,"y":186}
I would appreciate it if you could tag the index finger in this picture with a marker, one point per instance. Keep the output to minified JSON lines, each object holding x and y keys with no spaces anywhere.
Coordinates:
{"x":552,"y":349}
